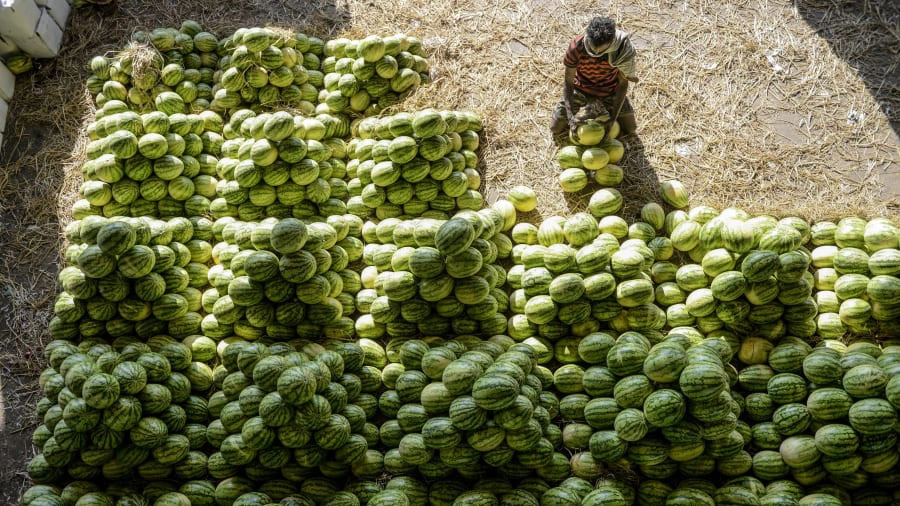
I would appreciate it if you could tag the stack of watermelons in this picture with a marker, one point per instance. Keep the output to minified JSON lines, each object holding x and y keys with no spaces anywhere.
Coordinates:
{"x":592,"y":155}
{"x":312,"y":306}
{"x":372,"y":73}
{"x":432,"y":277}
{"x":261,"y":67}
{"x":280,"y":165}
{"x":282,"y":279}
{"x":268,"y":68}
{"x":415,"y":165}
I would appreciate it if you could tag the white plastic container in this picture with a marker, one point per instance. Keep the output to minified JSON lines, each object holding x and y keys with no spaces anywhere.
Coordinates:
{"x":59,"y":10}
{"x":30,"y":27}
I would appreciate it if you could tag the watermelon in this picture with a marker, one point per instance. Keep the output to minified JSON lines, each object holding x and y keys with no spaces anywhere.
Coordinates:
{"x":872,"y":416}
{"x":523,"y":198}
{"x":799,"y":452}
{"x":674,"y":193}
{"x":454,"y":236}
{"x":759,"y":265}
{"x":605,"y":202}
{"x":494,"y":392}
{"x":100,"y":390}
{"x":791,"y":418}
{"x":702,"y":381}
{"x":607,"y":446}
{"x":664,"y":408}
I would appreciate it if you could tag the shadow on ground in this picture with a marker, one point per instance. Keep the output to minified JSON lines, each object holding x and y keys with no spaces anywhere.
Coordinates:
{"x":866,"y":35}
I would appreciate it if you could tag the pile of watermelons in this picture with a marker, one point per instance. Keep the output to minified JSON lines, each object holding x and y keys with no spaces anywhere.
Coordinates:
{"x":282,"y":288}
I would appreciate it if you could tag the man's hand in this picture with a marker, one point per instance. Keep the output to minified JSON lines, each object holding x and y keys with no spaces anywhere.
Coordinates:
{"x":573,"y":127}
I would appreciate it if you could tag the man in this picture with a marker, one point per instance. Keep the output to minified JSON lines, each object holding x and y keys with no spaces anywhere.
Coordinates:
{"x":599,"y":66}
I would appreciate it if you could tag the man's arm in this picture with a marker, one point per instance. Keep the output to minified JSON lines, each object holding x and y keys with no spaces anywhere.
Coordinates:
{"x":618,"y":99}
{"x":568,"y":96}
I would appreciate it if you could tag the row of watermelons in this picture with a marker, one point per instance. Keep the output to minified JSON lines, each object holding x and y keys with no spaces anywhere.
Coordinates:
{"x":446,"y":409}
{"x":745,"y":276}
{"x":258,"y":67}
{"x":259,"y":308}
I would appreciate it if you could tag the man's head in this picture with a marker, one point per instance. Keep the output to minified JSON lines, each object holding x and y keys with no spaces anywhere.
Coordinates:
{"x":598,"y":36}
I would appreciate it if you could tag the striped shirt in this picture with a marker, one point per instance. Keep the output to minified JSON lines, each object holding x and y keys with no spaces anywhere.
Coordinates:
{"x":594,"y":76}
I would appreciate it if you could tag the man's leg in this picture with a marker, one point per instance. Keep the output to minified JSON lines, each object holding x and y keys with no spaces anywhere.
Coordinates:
{"x":627,"y":123}
{"x":626,"y":120}
{"x":559,"y":126}
{"x":559,"y":123}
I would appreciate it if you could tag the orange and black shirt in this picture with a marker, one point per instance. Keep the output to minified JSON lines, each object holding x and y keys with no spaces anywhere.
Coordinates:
{"x":594,"y":76}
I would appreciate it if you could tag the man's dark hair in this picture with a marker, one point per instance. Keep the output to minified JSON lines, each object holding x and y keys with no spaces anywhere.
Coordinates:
{"x":601,"y":30}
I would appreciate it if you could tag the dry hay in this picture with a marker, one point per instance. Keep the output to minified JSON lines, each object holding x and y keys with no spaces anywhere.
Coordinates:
{"x":748,"y":105}
{"x":145,"y":59}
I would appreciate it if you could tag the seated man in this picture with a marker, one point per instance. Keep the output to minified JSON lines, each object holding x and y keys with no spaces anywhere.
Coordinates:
{"x":599,"y":66}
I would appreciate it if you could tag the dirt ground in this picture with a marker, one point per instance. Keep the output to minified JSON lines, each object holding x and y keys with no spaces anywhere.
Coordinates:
{"x":777,"y":107}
